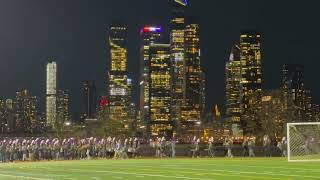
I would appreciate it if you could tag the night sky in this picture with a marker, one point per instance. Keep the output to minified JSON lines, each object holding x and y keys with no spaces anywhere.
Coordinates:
{"x":74,"y":32}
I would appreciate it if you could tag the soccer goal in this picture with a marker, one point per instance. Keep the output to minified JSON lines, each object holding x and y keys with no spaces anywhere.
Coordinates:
{"x":303,"y":141}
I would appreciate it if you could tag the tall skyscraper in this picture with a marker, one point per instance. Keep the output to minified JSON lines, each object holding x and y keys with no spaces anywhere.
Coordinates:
{"x":316,"y":112}
{"x":51,"y":94}
{"x":193,"y":105}
{"x":160,"y":90}
{"x":307,"y":106}
{"x":177,"y":32}
{"x":251,"y":73}
{"x":118,"y":87}
{"x":292,"y":82}
{"x":233,"y":91}
{"x":26,"y":112}
{"x":9,"y":115}
{"x":293,"y":86}
{"x":63,"y":106}
{"x":188,"y":79}
{"x":3,"y":122}
{"x":89,"y":100}
{"x":149,"y":35}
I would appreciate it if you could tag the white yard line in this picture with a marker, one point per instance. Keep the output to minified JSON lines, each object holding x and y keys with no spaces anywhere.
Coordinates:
{"x":180,"y":166}
{"x":24,"y":177}
{"x":248,"y":172}
{"x":186,"y":177}
{"x":198,"y":164}
{"x":219,"y":165}
{"x":253,"y":166}
{"x":32,"y":175}
{"x":140,"y":176}
{"x":235,"y":174}
{"x":229,"y":171}
{"x":143,"y":174}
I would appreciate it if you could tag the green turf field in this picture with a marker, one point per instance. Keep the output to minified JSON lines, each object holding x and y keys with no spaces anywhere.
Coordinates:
{"x":190,"y":169}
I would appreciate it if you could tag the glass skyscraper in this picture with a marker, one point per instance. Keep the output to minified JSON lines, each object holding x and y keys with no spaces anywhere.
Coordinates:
{"x":160,"y":85}
{"x":292,"y":82}
{"x":63,"y":106}
{"x":188,"y":79}
{"x":118,"y":87}
{"x":293,"y":86}
{"x":149,"y":35}
{"x":233,"y":91}
{"x":177,"y":32}
{"x":51,"y":94}
{"x":26,"y":112}
{"x":193,"y":99}
{"x":251,"y":72}
{"x":89,"y":97}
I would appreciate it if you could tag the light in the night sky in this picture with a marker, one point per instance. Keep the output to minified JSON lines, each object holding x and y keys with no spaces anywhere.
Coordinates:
{"x":151,"y":29}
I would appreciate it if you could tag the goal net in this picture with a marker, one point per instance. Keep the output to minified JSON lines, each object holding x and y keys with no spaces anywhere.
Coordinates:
{"x":303,"y":141}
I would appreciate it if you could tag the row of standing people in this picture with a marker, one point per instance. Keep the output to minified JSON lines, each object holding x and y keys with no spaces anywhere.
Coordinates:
{"x":248,"y":146}
{"x":35,"y":149}
{"x":17,"y":149}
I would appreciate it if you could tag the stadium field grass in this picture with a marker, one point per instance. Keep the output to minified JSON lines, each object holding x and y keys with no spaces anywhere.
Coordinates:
{"x":154,"y":169}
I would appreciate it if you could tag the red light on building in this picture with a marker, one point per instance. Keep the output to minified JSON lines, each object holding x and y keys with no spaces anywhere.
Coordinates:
{"x":103,"y":102}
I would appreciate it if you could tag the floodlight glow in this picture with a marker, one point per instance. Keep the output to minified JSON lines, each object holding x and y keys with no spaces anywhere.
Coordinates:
{"x":68,"y":123}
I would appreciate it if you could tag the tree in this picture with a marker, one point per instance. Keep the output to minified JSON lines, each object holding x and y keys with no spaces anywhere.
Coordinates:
{"x":110,"y":126}
{"x":115,"y":127}
{"x":249,"y":118}
{"x":268,"y":114}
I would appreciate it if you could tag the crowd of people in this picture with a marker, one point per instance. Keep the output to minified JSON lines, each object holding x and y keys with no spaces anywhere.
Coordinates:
{"x":36,"y":149}
{"x":167,"y":148}
{"x":163,"y":148}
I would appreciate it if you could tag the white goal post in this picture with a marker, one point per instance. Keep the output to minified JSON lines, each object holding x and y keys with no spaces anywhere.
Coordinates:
{"x":303,"y":141}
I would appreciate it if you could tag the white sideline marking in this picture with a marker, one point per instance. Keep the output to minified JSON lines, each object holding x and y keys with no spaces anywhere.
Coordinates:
{"x":249,"y":172}
{"x":208,"y":170}
{"x":197,"y":164}
{"x":271,"y":167}
{"x":178,"y":166}
{"x":142,"y":174}
{"x":36,"y":174}
{"x":233,"y":172}
{"x":25,"y":177}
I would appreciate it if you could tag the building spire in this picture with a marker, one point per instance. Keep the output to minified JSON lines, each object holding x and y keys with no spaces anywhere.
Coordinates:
{"x":182,"y":2}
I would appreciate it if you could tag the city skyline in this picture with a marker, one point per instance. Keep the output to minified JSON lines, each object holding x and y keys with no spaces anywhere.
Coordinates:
{"x":160,"y":85}
{"x":215,"y":77}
